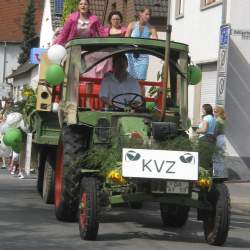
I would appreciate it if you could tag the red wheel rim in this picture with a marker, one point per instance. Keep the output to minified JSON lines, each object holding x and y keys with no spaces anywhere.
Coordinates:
{"x":83,"y":211}
{"x":59,"y":172}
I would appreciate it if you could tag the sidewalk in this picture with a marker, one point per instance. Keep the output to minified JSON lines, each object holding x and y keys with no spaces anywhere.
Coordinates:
{"x":240,"y":197}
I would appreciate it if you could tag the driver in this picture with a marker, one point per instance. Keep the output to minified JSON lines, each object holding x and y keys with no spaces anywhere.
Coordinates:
{"x":120,"y":82}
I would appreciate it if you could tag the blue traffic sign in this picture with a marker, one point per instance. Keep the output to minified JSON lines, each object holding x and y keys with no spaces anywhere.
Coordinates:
{"x":224,"y":35}
{"x":35,"y":55}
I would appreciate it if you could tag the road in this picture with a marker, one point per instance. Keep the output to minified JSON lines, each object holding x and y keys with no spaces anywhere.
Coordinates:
{"x":26,"y":223}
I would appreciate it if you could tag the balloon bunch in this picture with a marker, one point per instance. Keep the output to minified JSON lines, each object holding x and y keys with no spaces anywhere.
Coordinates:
{"x":11,"y":134}
{"x":13,"y":138}
{"x":55,"y":73}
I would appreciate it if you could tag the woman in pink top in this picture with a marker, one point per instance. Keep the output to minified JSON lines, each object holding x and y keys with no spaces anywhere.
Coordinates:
{"x":81,"y":23}
{"x":115,"y":28}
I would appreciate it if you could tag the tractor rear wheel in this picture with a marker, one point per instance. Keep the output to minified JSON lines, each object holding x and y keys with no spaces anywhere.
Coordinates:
{"x":49,"y":178}
{"x":89,"y":208}
{"x":73,"y":142}
{"x":174,"y":215}
{"x":216,"y":222}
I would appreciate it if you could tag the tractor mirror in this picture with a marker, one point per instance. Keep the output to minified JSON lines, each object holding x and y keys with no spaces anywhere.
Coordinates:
{"x":194,"y":75}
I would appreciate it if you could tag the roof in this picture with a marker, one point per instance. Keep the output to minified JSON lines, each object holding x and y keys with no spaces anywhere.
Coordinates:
{"x":99,"y":43}
{"x":22,"y":69}
{"x":11,"y":19}
{"x":159,"y":7}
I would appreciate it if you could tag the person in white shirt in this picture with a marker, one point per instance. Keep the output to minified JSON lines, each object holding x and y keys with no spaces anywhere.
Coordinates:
{"x":120,"y":82}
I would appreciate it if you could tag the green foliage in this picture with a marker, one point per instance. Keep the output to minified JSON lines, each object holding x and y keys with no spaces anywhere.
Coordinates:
{"x":28,"y":29}
{"x":69,"y":7}
{"x":27,"y":105}
{"x":107,"y":159}
{"x":103,"y":159}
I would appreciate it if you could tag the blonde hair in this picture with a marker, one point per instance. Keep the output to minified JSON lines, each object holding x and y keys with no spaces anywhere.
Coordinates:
{"x":220,"y":112}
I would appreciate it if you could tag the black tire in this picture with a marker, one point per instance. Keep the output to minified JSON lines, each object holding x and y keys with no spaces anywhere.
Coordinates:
{"x":73,"y":142}
{"x":174,"y":215}
{"x":136,"y":205}
{"x":89,"y":208}
{"x":49,"y":178}
{"x":216,"y":223}
{"x":41,"y":158}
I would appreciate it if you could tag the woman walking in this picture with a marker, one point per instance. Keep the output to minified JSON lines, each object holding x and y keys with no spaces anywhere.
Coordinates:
{"x":138,"y":63}
{"x":206,"y":132}
{"x":218,"y":159}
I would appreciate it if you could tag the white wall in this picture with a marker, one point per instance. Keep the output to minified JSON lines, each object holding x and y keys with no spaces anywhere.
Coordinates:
{"x":30,"y":78}
{"x":239,"y":15}
{"x":12,"y":53}
{"x":46,"y":33}
{"x":199,"y":29}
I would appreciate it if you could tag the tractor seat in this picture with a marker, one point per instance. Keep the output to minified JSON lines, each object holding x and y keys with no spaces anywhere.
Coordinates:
{"x":89,"y":96}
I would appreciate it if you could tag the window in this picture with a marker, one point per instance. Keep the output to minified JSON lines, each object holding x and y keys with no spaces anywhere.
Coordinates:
{"x":179,"y":8}
{"x":58,"y":7}
{"x":113,"y":7}
{"x":209,"y":3}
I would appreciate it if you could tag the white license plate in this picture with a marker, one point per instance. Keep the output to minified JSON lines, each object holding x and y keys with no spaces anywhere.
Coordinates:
{"x":160,"y":164}
{"x":177,"y":187}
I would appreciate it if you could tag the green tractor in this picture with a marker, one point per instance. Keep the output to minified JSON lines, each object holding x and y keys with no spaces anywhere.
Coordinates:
{"x":126,"y":155}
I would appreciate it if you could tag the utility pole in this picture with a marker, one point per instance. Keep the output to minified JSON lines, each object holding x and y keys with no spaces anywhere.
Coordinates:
{"x":166,"y":63}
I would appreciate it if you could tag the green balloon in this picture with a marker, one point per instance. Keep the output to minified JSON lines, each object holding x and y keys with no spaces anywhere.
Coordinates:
{"x":17,"y":147}
{"x":194,"y":75}
{"x":12,"y":136}
{"x":54,"y":75}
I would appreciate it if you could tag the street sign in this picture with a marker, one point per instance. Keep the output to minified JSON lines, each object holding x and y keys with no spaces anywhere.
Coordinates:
{"x":35,"y":55}
{"x":224,"y":35}
{"x":221,"y":88}
{"x":223,"y":60}
{"x":225,"y":32}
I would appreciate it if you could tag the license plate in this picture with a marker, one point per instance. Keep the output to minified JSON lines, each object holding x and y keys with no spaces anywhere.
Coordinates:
{"x":177,"y":187}
{"x":160,"y":164}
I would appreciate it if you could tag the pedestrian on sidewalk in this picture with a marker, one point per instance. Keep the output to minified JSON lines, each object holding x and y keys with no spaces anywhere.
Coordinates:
{"x":206,"y":137}
{"x":15,"y":166}
{"x":219,"y":156}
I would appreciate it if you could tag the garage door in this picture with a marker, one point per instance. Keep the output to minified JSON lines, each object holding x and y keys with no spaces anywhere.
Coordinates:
{"x":208,"y":84}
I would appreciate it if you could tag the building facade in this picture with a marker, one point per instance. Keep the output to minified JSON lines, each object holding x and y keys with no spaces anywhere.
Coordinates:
{"x":197,"y":23}
{"x":224,"y":59}
{"x":11,"y":19}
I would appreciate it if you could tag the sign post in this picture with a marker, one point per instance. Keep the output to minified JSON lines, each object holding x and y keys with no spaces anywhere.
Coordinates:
{"x":222,"y":64}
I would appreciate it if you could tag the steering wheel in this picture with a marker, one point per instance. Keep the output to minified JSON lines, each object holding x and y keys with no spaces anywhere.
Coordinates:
{"x":130,"y":103}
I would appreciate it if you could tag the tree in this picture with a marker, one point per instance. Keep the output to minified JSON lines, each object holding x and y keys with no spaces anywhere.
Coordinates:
{"x":28,"y":29}
{"x":69,"y":7}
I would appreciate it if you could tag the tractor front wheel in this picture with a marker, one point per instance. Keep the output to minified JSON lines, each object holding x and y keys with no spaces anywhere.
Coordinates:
{"x":73,"y":143}
{"x":216,"y":222}
{"x":89,"y":206}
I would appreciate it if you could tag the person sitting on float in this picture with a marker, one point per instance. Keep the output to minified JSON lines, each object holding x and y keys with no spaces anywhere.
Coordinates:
{"x":119,"y":89}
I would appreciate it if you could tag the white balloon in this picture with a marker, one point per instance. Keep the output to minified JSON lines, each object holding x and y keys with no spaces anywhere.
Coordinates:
{"x":24,"y":127}
{"x":55,"y":106}
{"x":3,"y":127}
{"x":14,"y":119}
{"x":56,"y":53}
{"x":5,"y":151}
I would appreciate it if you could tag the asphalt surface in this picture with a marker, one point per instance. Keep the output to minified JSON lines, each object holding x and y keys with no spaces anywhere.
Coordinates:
{"x":27,"y":223}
